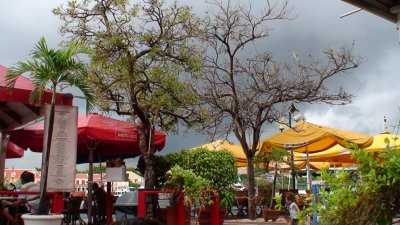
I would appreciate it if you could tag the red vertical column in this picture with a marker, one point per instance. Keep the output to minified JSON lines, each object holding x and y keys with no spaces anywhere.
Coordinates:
{"x":67,"y":99}
{"x":58,"y":203}
{"x":109,"y":205}
{"x":141,"y":203}
{"x":181,"y":210}
{"x":215,"y":211}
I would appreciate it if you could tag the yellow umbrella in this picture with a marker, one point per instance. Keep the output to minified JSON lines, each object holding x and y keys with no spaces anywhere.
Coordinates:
{"x":235,"y":149}
{"x":308,"y":137}
{"x":336,"y":154}
{"x":340,"y":154}
{"x":302,"y":165}
{"x":313,"y":165}
{"x":379,"y":143}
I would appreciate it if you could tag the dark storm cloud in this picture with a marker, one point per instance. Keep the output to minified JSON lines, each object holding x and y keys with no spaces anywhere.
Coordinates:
{"x":317,"y":26}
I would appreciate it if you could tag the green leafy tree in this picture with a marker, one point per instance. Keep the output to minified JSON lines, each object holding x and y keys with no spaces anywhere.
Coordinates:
{"x":133,"y":185}
{"x":140,"y":51}
{"x":49,"y":67}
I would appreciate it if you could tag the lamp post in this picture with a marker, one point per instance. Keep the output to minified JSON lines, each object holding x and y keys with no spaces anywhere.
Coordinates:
{"x":292,"y":110}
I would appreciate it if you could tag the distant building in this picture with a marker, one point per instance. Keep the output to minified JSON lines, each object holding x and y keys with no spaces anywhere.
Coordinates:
{"x":135,"y":178}
{"x":117,"y":188}
{"x":81,"y":180}
{"x":13,"y":175}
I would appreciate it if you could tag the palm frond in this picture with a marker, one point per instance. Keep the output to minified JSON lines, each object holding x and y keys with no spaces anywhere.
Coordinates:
{"x":41,"y":50}
{"x":78,"y":79}
{"x":49,"y":66}
{"x":19,"y":69}
{"x":36,"y":94}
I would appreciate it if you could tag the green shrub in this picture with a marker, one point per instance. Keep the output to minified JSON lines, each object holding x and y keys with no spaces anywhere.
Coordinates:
{"x":217,"y":167}
{"x":371,"y":195}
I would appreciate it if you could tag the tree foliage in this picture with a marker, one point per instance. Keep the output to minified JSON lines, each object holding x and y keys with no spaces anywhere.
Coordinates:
{"x":140,"y":51}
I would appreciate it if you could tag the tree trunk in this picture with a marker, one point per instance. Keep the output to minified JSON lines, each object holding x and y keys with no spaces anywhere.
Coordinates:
{"x":3,"y":152}
{"x":44,"y":201}
{"x":145,"y":138}
{"x":251,"y":189}
{"x":274,"y":186}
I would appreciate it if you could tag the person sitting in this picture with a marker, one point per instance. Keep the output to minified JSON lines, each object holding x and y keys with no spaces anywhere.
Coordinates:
{"x":24,"y":203}
{"x":100,"y":199}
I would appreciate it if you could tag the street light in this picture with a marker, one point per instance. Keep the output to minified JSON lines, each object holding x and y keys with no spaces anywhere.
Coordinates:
{"x":292,"y":110}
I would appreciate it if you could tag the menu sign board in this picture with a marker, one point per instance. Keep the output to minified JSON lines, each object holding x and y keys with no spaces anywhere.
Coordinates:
{"x":62,"y":164}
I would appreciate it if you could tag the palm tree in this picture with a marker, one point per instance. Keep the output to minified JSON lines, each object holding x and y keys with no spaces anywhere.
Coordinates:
{"x":49,"y":67}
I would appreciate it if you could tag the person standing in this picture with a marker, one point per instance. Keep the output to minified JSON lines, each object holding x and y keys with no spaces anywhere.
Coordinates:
{"x":293,"y":208}
{"x":100,"y":199}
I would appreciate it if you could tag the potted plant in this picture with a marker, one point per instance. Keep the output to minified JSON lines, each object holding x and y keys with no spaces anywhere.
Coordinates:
{"x":218,"y":169}
{"x":273,"y":214}
{"x":57,"y":68}
{"x":276,"y":157}
{"x":195,"y":189}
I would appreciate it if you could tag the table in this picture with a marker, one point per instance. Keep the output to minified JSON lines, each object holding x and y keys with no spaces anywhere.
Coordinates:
{"x":125,"y":210}
{"x":8,"y":198}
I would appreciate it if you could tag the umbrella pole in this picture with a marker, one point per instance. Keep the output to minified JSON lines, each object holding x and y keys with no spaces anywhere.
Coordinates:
{"x":90,"y":185}
{"x":308,"y":172}
{"x":3,"y":151}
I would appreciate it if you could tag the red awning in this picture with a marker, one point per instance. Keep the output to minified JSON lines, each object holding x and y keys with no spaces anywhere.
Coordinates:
{"x":16,"y":109}
{"x":14,"y":151}
{"x":115,"y":138}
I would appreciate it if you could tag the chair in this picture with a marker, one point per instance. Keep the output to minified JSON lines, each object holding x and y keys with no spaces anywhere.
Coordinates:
{"x":72,"y":210}
{"x":18,"y":213}
{"x":99,"y":210}
{"x":241,"y":203}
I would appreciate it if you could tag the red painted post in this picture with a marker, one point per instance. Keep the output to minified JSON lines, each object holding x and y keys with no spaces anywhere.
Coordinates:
{"x":181,"y":211}
{"x":109,"y":205}
{"x":58,"y":203}
{"x":141,"y":203}
{"x":67,"y":99}
{"x":215,"y":211}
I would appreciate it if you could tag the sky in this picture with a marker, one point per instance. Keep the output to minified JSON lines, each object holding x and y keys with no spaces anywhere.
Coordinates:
{"x":316,"y":26}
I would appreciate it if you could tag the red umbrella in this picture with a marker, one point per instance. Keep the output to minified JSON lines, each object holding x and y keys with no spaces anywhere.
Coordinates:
{"x":113,"y":138}
{"x":98,"y":136}
{"x":14,"y":151}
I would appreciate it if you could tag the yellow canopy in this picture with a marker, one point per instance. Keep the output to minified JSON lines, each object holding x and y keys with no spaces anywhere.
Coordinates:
{"x":313,"y":165}
{"x":340,"y":154}
{"x":379,"y":142}
{"x":235,"y":149}
{"x":335,"y":154}
{"x":308,"y":137}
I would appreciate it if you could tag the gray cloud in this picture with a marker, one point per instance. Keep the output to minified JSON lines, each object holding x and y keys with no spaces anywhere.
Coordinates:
{"x":317,"y":26}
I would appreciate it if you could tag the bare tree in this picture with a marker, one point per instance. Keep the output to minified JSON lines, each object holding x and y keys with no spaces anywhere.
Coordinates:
{"x":244,"y":90}
{"x":140,"y":51}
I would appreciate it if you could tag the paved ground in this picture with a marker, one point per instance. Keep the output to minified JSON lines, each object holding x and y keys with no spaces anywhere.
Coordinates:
{"x":244,"y":221}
